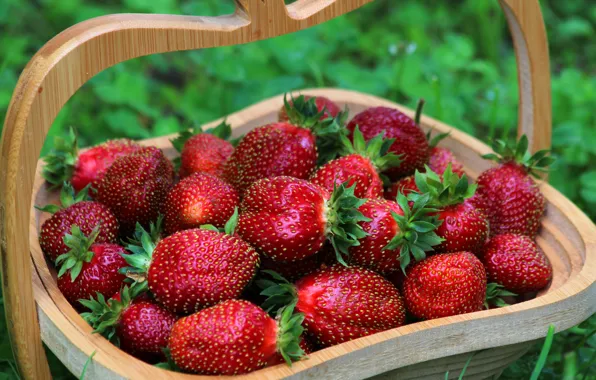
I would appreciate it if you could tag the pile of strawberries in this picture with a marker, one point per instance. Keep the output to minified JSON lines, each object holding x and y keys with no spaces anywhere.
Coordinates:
{"x":303,"y":234}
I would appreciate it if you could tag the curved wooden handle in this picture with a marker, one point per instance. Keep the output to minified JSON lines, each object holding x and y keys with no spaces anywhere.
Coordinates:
{"x":62,"y":66}
{"x":70,"y":59}
{"x":533,"y":70}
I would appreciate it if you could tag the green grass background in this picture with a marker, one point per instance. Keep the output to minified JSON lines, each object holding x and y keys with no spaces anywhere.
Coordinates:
{"x":457,"y":54}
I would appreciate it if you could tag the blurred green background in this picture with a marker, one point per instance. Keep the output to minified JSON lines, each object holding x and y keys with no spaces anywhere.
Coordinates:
{"x":457,"y":54}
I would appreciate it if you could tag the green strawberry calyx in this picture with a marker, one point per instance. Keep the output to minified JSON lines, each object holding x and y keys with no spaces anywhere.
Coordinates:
{"x":417,"y":227}
{"x":141,"y":246}
{"x":343,"y":217}
{"x":329,"y":131}
{"x":79,"y":253}
{"x":104,"y":315}
{"x":494,"y":294}
{"x":60,"y":162}
{"x":534,"y":164}
{"x":450,"y":189}
{"x":230,"y":226}
{"x":434,"y":141}
{"x":376,"y":150}
{"x":281,"y":300}
{"x":68,"y":197}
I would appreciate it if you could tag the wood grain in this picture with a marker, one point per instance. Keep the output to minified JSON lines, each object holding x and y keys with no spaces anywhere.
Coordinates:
{"x":69,"y":60}
{"x":567,"y":237}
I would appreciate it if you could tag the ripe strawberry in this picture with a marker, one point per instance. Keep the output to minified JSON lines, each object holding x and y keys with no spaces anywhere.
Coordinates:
{"x":360,"y":166}
{"x":89,"y":267}
{"x":324,"y":106}
{"x":234,"y":337}
{"x":406,"y":185}
{"x":203,"y":152}
{"x":289,"y":219}
{"x":516,"y":262}
{"x":445,"y":284}
{"x":199,"y":199}
{"x":75,"y":210}
{"x":339,"y":303}
{"x":394,"y":233}
{"x":65,"y":163}
{"x":139,"y":326}
{"x":193,"y":269}
{"x":410,"y":141}
{"x":511,"y":199}
{"x":135,"y":187}
{"x":295,"y":270}
{"x":285,"y":148}
{"x":463,"y":227}
{"x":440,"y":158}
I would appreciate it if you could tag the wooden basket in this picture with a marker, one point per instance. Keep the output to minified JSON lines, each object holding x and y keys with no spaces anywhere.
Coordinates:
{"x":35,"y":308}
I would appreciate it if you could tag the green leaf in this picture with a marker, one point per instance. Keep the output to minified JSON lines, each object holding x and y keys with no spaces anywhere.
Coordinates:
{"x":231,"y":224}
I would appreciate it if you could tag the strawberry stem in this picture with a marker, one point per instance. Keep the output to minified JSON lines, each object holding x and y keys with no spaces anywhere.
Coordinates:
{"x":376,"y":150}
{"x":418,"y":113}
{"x":79,"y":253}
{"x":533,"y":163}
{"x":450,"y":189}
{"x":289,"y":331}
{"x":279,"y":291}
{"x":142,"y":245}
{"x":494,"y":294}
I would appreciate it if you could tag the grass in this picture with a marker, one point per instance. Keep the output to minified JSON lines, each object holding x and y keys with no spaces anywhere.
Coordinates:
{"x":456,"y":54}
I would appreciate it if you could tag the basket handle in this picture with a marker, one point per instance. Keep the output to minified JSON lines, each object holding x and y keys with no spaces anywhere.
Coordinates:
{"x":73,"y":57}
{"x":533,"y":70}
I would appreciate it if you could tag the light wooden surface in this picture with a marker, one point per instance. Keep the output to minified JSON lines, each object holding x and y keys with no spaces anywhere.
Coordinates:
{"x":80,"y":52}
{"x":568,"y":237}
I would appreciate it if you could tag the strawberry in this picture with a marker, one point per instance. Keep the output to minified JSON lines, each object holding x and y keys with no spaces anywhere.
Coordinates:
{"x":289,"y":219}
{"x":440,"y":158}
{"x":139,"y":326}
{"x":199,"y":199}
{"x":405,"y":185}
{"x":395,"y":232}
{"x":410,"y":141}
{"x":65,"y":163}
{"x":294,"y":270}
{"x":234,"y":337}
{"x":339,"y":303}
{"x":75,"y":210}
{"x":89,"y":267}
{"x":135,"y":187}
{"x":192,"y":269}
{"x":285,"y":148}
{"x":325,"y":106}
{"x":511,"y":199}
{"x":445,"y":284}
{"x":463,"y":227}
{"x":516,"y":262}
{"x":304,"y":345}
{"x":360,"y":167}
{"x":203,"y":152}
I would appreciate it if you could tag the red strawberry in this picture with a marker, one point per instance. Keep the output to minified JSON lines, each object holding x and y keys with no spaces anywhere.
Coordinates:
{"x":410,"y":141}
{"x":511,"y":199}
{"x":199,"y":199}
{"x":406,"y":185}
{"x":135,"y":187}
{"x":141,"y":326}
{"x":440,"y":158}
{"x":89,"y":267}
{"x":75,"y":210}
{"x":289,"y":219}
{"x":204,"y":152}
{"x":284,"y":148}
{"x":193,"y":269}
{"x":294,"y":270}
{"x":65,"y":163}
{"x":360,"y":167}
{"x":234,"y":337}
{"x":340,"y":303}
{"x":394,"y":233}
{"x":324,"y":105}
{"x":463,"y":227}
{"x":516,"y":262}
{"x":445,"y":284}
